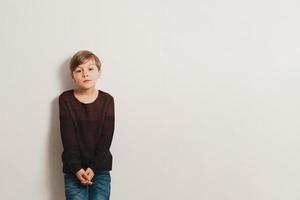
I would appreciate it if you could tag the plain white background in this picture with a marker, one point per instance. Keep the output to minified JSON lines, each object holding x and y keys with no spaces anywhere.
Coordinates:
{"x":206,"y":96}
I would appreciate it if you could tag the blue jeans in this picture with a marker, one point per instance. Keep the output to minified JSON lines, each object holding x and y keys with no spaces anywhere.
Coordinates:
{"x":99,"y":190}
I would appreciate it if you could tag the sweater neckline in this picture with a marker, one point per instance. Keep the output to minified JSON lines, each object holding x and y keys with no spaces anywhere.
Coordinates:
{"x":73,"y":95}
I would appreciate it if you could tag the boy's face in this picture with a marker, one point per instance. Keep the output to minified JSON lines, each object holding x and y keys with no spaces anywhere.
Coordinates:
{"x":86,"y":75}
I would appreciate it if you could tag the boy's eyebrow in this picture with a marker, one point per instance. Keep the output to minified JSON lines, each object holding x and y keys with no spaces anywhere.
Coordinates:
{"x":88,"y":66}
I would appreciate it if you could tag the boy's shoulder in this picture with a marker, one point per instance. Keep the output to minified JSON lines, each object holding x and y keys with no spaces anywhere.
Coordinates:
{"x":106,"y":94}
{"x":65,"y":93}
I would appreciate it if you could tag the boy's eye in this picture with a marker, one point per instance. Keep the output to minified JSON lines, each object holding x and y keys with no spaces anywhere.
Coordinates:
{"x":91,"y":69}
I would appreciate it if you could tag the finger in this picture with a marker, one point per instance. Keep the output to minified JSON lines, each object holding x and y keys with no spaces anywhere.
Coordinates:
{"x":86,"y":183}
{"x":91,"y":176}
{"x":87,"y":172}
{"x":81,"y":178}
{"x":90,"y":182}
{"x":90,"y":171}
{"x":87,"y":177}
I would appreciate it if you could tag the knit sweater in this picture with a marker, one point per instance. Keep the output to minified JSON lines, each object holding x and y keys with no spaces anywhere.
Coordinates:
{"x":86,"y":132}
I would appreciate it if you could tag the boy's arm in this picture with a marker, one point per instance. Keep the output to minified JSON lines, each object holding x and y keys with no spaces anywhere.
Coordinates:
{"x":71,"y":154}
{"x":102,"y":149}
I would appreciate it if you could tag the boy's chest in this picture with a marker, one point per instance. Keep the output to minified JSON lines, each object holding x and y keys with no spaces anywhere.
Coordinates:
{"x":93,"y":112}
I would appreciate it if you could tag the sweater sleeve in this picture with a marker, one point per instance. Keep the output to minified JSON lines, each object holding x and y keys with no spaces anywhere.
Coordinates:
{"x":71,"y":153}
{"x":104,"y":143}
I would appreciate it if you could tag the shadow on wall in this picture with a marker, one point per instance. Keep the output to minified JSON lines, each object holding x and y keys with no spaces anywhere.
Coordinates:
{"x":54,"y":171}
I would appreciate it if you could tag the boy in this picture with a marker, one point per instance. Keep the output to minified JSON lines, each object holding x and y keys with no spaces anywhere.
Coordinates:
{"x":87,"y":125}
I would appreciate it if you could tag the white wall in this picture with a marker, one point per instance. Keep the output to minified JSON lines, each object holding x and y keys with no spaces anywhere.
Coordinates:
{"x":206,"y":92}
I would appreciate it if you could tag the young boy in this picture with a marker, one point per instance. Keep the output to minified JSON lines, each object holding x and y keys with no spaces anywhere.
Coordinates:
{"x":87,"y":125}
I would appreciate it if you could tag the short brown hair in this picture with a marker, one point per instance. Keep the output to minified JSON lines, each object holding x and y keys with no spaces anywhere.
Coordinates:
{"x":81,"y":57}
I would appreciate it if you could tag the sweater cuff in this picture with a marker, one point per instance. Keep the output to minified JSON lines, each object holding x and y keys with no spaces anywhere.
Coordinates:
{"x":75,"y":169}
{"x":93,"y":167}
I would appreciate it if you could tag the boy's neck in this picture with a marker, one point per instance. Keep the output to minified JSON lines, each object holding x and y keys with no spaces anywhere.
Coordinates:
{"x":85,"y":92}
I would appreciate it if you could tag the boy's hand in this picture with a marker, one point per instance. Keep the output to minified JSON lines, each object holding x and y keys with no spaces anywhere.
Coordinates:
{"x":89,"y":174}
{"x":81,"y":177}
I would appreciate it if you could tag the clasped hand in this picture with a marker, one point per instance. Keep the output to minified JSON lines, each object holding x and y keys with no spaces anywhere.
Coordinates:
{"x":85,"y":177}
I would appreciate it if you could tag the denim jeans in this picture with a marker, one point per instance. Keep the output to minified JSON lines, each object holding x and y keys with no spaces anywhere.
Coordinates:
{"x":99,"y":190}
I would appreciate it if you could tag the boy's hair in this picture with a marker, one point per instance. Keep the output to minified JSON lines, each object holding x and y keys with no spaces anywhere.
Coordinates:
{"x":81,"y":57}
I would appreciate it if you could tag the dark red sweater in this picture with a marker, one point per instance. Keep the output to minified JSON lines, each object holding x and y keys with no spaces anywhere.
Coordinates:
{"x":86,"y":132}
